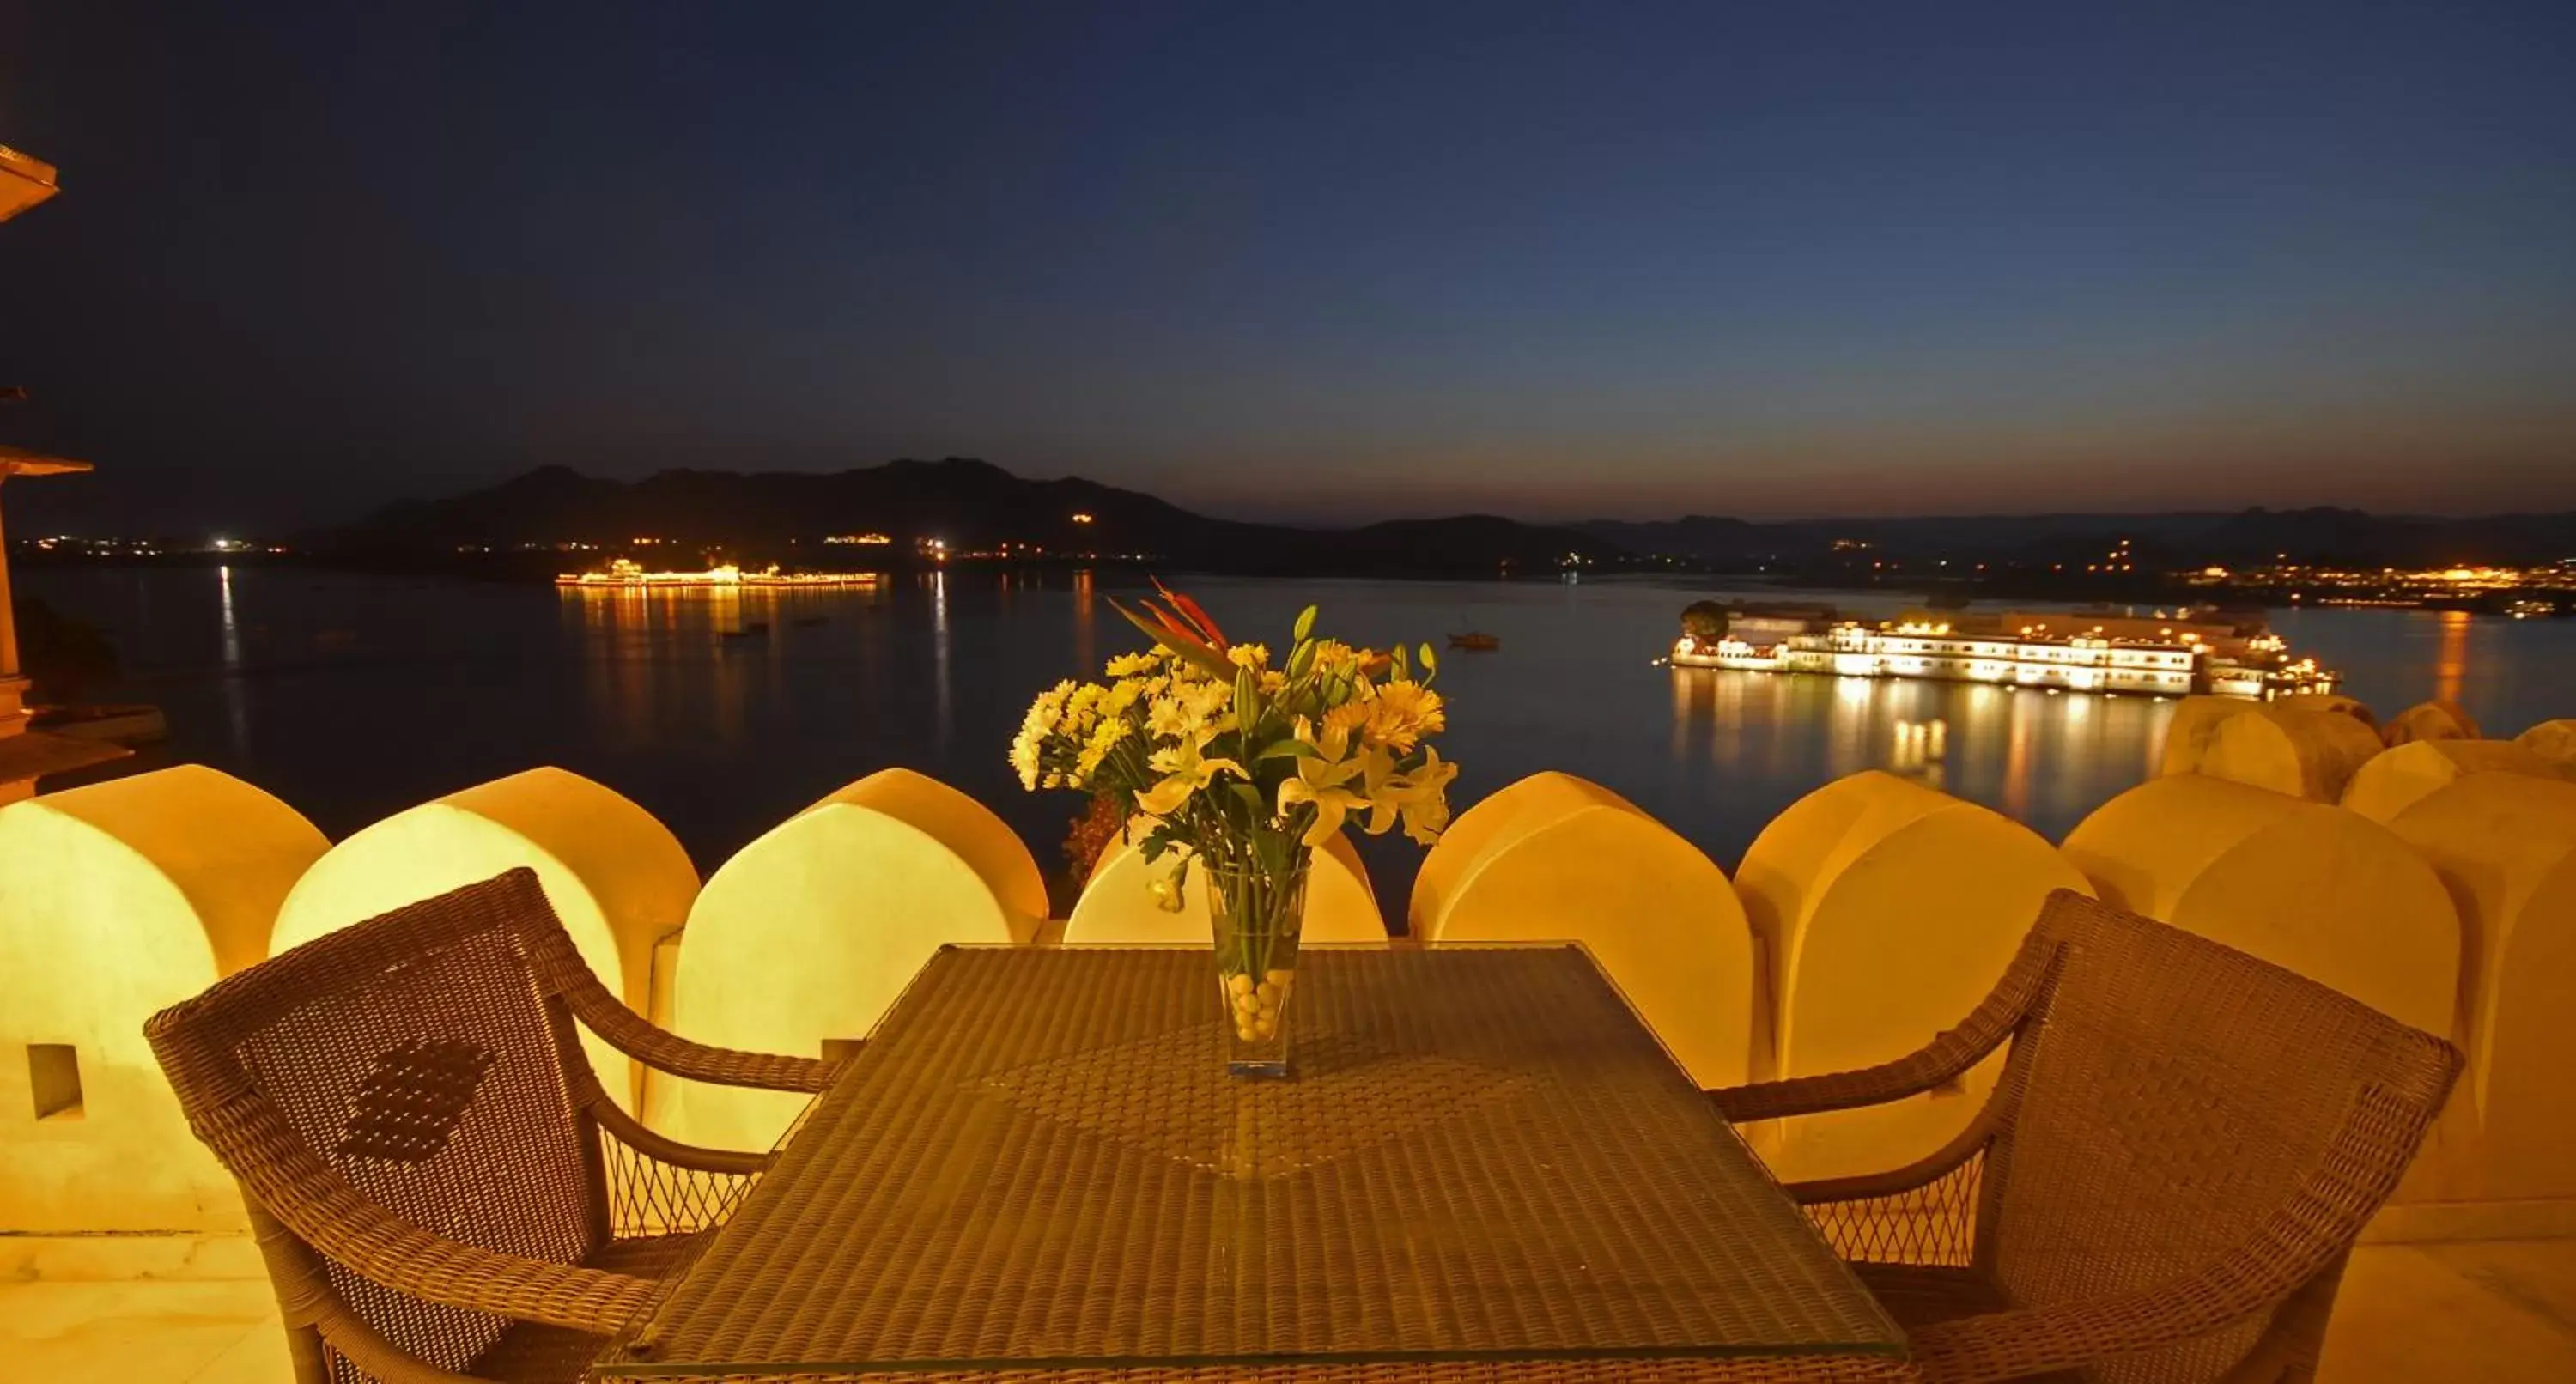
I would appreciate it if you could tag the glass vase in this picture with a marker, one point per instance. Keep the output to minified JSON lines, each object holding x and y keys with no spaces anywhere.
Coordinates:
{"x":1256,"y":916}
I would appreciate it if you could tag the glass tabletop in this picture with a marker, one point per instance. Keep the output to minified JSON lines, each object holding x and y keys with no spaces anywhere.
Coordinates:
{"x":1038,"y":1162}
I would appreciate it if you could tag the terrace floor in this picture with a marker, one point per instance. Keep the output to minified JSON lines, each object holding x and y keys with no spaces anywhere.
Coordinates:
{"x":2497,"y":1311}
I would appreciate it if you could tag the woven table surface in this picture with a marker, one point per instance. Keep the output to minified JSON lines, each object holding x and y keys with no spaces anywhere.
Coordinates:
{"x":1038,"y":1164}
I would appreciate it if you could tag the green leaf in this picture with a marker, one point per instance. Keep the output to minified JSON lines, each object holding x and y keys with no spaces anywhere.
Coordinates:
{"x":1287,"y":748}
{"x":1305,"y":625}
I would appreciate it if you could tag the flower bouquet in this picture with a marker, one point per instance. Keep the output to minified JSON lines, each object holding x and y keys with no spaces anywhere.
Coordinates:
{"x":1241,"y":765}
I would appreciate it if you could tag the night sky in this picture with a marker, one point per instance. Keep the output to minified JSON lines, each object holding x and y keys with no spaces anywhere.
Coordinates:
{"x":1302,"y":262}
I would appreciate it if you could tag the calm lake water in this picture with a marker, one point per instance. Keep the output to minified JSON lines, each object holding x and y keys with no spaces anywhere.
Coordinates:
{"x":356,"y":696}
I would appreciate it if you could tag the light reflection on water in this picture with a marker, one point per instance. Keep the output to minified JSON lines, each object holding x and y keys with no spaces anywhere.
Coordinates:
{"x":724,"y":711}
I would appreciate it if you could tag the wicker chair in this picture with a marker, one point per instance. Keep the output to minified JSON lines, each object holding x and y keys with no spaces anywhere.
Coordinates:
{"x":2167,"y":1180}
{"x":441,"y":1188}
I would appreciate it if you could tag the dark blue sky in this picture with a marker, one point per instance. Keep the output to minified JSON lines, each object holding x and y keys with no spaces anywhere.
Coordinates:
{"x":1305,"y":261}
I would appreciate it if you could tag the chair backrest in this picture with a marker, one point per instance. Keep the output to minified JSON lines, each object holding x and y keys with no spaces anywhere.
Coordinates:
{"x":424,"y":1058}
{"x":2173,"y":1100}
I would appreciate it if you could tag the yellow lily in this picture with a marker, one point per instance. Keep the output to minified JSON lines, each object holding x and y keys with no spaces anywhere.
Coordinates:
{"x":1420,"y":797}
{"x":1185,"y":772}
{"x":1319,"y":780}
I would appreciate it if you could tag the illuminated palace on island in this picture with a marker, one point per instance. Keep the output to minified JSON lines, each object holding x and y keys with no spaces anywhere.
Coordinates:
{"x":2189,"y":651}
{"x":626,"y":573}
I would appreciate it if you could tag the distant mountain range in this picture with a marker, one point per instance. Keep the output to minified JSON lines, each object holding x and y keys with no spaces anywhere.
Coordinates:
{"x":973,"y":505}
{"x":969,"y":505}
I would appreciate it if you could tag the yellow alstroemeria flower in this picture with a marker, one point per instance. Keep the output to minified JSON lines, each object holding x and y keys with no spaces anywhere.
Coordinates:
{"x":1185,"y":772}
{"x":1168,"y":716}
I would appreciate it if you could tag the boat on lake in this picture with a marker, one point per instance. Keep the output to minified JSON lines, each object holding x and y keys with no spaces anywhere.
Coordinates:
{"x":2163,"y":654}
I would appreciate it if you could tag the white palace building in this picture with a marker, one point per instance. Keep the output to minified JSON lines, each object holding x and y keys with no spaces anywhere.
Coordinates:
{"x":2083,"y":652}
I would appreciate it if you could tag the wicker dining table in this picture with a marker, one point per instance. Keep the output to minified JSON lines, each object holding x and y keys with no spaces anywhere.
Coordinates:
{"x":1483,"y":1167}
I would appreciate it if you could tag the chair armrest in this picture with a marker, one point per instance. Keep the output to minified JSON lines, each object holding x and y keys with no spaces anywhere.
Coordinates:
{"x":313,"y":1200}
{"x":1946,"y":1058}
{"x":669,"y":1052}
{"x":638,"y":1038}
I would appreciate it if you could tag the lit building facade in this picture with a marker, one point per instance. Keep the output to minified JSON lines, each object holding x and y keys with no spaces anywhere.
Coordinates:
{"x":2082,"y":653}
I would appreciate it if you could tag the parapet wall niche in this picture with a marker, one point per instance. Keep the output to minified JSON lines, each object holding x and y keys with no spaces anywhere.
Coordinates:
{"x":803,"y":940}
{"x":2315,"y":888}
{"x":2306,"y":752}
{"x":2400,"y":776}
{"x":1118,"y":907}
{"x":1886,"y":911}
{"x":1553,"y":857}
{"x":117,"y":901}
{"x":616,"y":876}
{"x":2505,"y":845}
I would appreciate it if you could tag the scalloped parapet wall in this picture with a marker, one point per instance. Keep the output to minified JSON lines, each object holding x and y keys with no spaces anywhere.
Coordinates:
{"x":2554,"y":741}
{"x":1886,"y":911}
{"x":2193,"y":729}
{"x":984,"y":841}
{"x":116,"y":901}
{"x":1118,"y":908}
{"x":2305,"y":751}
{"x":801,"y":941}
{"x":2430,"y":720}
{"x":2317,"y":888}
{"x":1869,"y":916}
{"x":2400,"y":776}
{"x":2505,"y":845}
{"x":1554,"y":857}
{"x":616,"y":876}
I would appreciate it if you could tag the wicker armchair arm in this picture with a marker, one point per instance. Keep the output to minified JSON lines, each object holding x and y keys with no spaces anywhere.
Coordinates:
{"x":313,"y":1200}
{"x":635,"y":1036}
{"x":1946,"y":1058}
